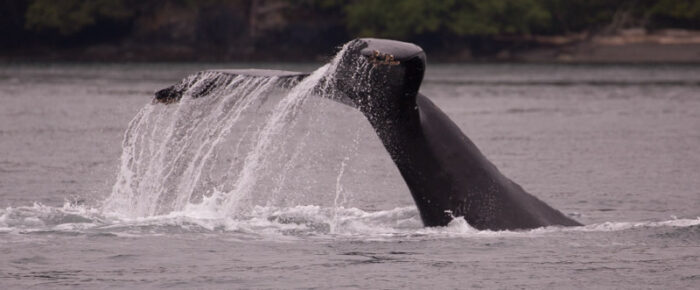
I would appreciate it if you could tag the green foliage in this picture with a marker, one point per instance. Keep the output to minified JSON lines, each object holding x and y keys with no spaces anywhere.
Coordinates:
{"x":405,"y":18}
{"x":579,"y":15}
{"x":71,"y":16}
{"x":408,"y":18}
{"x":396,"y":19}
{"x":493,"y":17}
{"x":674,"y":13}
{"x":402,"y":19}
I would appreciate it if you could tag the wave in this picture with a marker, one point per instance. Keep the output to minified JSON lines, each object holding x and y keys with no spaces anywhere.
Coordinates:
{"x":275,"y":223}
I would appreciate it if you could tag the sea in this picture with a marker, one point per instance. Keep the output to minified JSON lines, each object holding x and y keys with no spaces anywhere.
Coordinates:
{"x":259,"y":186}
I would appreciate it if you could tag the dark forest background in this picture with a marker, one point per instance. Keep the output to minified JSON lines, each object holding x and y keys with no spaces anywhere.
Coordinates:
{"x":287,"y":30}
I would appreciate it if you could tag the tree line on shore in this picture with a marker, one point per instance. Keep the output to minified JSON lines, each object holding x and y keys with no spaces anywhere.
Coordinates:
{"x":260,"y":29}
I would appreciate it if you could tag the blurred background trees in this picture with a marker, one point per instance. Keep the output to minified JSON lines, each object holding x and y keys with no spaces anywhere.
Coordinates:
{"x":229,"y":29}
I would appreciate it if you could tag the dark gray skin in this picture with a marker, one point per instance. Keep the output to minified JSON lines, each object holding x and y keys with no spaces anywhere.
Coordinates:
{"x":174,"y":93}
{"x":446,"y":173}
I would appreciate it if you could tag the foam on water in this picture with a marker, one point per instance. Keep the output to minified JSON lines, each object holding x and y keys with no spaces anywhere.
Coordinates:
{"x":279,"y":223}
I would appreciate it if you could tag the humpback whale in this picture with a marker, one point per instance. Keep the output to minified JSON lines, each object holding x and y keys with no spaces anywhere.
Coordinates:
{"x":445,"y":172}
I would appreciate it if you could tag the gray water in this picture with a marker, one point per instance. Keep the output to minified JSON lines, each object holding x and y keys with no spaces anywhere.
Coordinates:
{"x":615,"y":147}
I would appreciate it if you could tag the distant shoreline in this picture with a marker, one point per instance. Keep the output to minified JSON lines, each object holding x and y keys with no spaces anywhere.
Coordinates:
{"x":625,"y":46}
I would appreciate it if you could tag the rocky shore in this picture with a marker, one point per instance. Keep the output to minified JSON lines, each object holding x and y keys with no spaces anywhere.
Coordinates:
{"x":630,"y":45}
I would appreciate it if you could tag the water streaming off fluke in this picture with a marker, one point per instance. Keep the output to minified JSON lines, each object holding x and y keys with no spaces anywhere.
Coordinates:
{"x":225,"y":152}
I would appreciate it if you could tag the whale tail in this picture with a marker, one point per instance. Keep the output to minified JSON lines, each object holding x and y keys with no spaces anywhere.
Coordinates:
{"x":446,"y":173}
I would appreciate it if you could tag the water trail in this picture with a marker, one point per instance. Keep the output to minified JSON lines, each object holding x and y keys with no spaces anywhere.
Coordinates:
{"x":283,"y":113}
{"x":283,"y":116}
{"x":168,"y":149}
{"x":179,"y":157}
{"x":339,"y":190}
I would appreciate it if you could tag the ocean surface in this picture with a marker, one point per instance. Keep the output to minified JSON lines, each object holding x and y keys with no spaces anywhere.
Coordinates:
{"x":100,"y":188}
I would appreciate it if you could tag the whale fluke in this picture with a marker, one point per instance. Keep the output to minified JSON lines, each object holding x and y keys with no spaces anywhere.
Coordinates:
{"x":446,"y":173}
